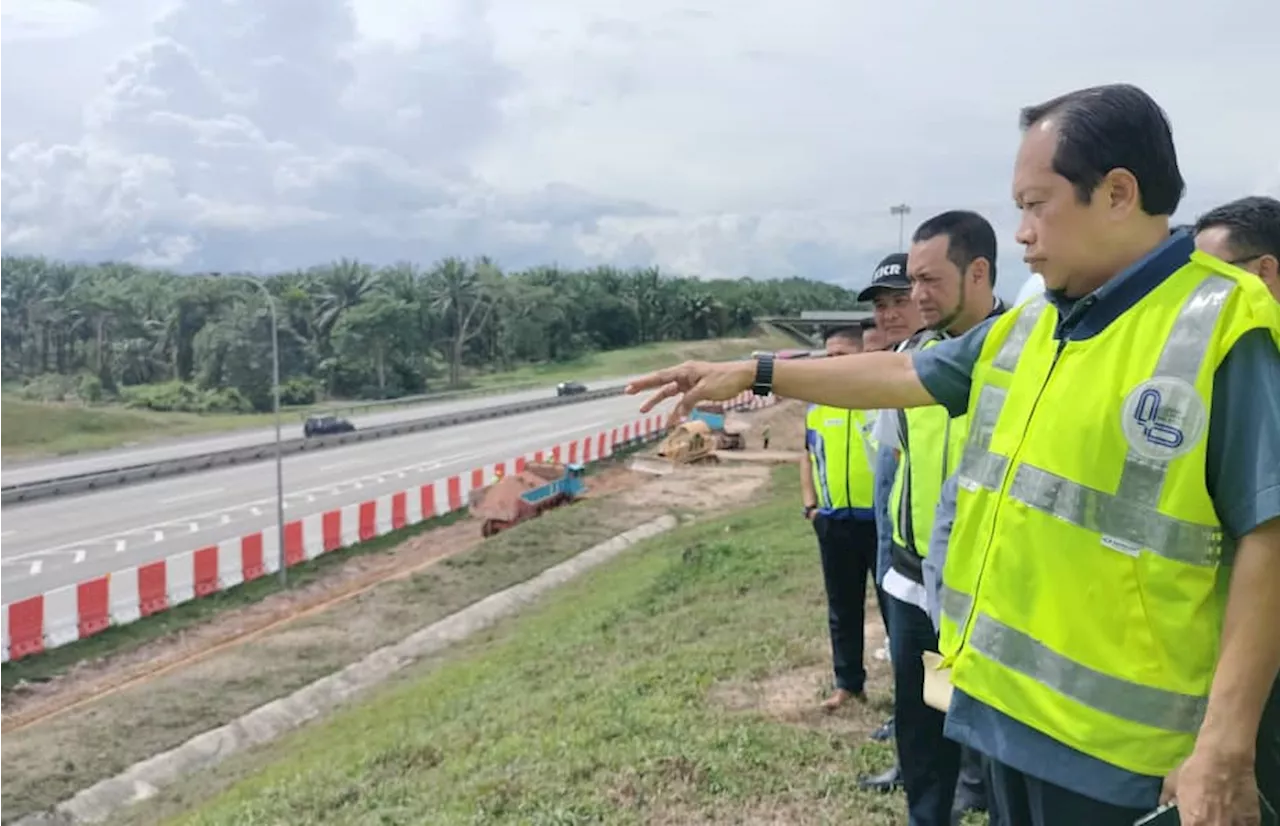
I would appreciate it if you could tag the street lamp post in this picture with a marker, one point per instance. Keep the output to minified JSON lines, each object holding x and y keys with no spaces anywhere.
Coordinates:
{"x":275,"y":404}
{"x":902,"y":211}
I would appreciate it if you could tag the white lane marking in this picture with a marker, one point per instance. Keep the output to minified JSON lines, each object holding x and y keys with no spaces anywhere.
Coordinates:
{"x":193,"y":527}
{"x":156,"y":536}
{"x":226,"y":519}
{"x":121,"y":545}
{"x":6,"y":533}
{"x":199,"y":494}
{"x":343,"y":463}
{"x":545,"y":438}
{"x":80,"y":556}
{"x":36,"y":566}
{"x":311,"y":497}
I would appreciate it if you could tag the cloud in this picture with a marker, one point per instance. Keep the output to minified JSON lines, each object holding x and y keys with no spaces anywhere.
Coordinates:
{"x":734,"y":139}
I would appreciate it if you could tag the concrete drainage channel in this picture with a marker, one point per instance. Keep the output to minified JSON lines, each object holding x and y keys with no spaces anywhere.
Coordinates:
{"x":135,"y":474}
{"x":145,"y":779}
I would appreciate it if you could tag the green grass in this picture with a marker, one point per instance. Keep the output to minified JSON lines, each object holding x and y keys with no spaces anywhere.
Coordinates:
{"x":595,"y":707}
{"x":53,"y":429}
{"x":626,"y":362}
{"x":35,"y":429}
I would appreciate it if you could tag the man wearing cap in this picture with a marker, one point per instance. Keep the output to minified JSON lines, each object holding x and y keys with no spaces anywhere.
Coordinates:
{"x":896,"y":318}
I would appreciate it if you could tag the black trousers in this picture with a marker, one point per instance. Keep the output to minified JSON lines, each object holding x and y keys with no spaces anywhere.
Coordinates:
{"x":848,"y":549}
{"x":1024,"y":800}
{"x":930,"y":762}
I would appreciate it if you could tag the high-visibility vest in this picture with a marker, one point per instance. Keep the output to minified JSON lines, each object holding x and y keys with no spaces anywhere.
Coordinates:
{"x":932,"y":444}
{"x":842,"y":459}
{"x":1083,"y":590}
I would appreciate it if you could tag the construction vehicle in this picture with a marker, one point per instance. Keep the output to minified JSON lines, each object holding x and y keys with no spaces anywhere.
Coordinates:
{"x":527,"y":494}
{"x":729,"y":434}
{"x":691,"y":441}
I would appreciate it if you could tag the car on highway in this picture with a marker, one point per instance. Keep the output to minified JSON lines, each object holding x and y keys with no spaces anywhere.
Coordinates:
{"x":570,"y":388}
{"x":326,"y":426}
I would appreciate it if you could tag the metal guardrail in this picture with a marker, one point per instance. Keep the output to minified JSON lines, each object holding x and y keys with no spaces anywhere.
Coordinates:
{"x":353,"y":408}
{"x":133,"y":474}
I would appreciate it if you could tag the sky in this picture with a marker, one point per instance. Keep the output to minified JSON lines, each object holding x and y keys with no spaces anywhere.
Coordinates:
{"x":714,"y":138}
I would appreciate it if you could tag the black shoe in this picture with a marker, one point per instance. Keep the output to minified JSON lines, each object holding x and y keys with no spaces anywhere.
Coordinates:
{"x":885,"y":732}
{"x":886,"y":781}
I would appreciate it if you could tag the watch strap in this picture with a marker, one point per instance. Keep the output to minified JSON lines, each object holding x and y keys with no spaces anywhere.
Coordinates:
{"x":763,"y":383}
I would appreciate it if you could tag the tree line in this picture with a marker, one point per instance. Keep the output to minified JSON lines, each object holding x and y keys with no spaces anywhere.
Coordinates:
{"x":347,"y":329}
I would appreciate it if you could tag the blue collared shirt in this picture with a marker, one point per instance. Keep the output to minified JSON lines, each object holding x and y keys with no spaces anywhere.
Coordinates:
{"x":1242,"y":475}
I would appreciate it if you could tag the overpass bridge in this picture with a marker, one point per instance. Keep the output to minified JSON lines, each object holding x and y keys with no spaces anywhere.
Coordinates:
{"x":809,"y":327}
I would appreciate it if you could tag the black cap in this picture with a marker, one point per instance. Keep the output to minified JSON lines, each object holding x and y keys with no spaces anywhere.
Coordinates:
{"x":891,"y":274}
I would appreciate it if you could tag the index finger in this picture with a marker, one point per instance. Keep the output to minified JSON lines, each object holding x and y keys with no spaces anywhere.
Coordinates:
{"x":659,"y":378}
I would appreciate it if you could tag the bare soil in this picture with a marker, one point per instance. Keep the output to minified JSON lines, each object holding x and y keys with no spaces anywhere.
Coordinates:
{"x":105,"y":715}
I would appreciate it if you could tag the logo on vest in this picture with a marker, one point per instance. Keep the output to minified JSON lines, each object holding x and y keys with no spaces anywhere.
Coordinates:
{"x":1163,"y":418}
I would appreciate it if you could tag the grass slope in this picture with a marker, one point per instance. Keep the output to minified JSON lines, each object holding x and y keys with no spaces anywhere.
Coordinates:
{"x":595,"y":707}
{"x":34,"y":429}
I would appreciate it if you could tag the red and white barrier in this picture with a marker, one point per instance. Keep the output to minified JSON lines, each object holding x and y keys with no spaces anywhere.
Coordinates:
{"x":74,"y":612}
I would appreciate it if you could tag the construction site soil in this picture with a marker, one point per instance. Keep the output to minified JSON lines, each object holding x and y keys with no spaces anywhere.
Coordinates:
{"x":103,"y":715}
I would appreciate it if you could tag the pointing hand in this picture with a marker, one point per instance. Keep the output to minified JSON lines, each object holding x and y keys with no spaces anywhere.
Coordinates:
{"x":693,"y":382}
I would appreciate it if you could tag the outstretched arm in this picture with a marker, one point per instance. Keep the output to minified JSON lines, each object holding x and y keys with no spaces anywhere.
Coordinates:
{"x":856,"y":382}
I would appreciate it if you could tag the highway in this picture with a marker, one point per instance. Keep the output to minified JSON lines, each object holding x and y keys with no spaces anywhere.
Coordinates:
{"x":17,"y":473}
{"x":51,"y":543}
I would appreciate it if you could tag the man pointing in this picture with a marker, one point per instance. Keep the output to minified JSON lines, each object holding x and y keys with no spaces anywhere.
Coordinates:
{"x":1112,"y":580}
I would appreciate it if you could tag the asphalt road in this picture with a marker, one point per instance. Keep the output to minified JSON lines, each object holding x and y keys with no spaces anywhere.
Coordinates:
{"x":50,"y":543}
{"x":17,"y":473}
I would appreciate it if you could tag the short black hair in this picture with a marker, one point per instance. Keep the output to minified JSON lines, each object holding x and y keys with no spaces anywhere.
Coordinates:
{"x":969,"y":237}
{"x":1117,"y":126}
{"x":1252,"y":223}
{"x":851,"y":332}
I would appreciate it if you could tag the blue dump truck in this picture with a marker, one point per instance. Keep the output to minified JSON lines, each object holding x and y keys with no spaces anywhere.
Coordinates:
{"x":524,"y":495}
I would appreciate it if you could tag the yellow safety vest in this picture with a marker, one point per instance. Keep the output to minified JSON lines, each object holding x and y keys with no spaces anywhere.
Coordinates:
{"x":843,"y":458}
{"x":1083,"y":590}
{"x":933,"y":443}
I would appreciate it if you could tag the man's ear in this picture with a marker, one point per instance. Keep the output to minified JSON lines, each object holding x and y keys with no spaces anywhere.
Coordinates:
{"x":1269,"y":272}
{"x":979,"y":271}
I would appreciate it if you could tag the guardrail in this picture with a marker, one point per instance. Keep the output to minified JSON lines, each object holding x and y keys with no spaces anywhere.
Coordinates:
{"x":353,"y":408}
{"x":60,"y":616}
{"x":134,"y":474}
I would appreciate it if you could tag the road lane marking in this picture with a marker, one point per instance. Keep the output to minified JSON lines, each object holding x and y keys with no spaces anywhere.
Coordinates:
{"x":121,"y":545}
{"x":157,"y":536}
{"x":36,"y":566}
{"x":546,"y":440}
{"x":193,"y":527}
{"x":226,"y":519}
{"x":200,"y":494}
{"x":80,"y":556}
{"x":343,"y":463}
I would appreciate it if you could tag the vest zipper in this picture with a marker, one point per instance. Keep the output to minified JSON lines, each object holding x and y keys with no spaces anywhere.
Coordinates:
{"x":848,"y":449}
{"x":977,"y":587}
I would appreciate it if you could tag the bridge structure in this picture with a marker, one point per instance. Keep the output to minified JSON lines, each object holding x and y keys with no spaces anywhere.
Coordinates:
{"x":809,"y":328}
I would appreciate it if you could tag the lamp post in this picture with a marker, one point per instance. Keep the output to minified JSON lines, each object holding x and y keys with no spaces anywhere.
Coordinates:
{"x":275,"y":404}
{"x":901,"y":210}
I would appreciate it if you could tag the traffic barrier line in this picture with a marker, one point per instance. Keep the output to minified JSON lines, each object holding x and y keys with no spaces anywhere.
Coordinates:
{"x":73,"y":612}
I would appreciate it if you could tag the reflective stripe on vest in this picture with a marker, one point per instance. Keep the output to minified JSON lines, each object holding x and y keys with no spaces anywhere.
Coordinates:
{"x":842,"y":459}
{"x":1034,"y":544}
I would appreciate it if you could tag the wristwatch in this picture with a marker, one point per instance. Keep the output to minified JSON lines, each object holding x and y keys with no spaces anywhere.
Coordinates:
{"x":763,"y":383}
